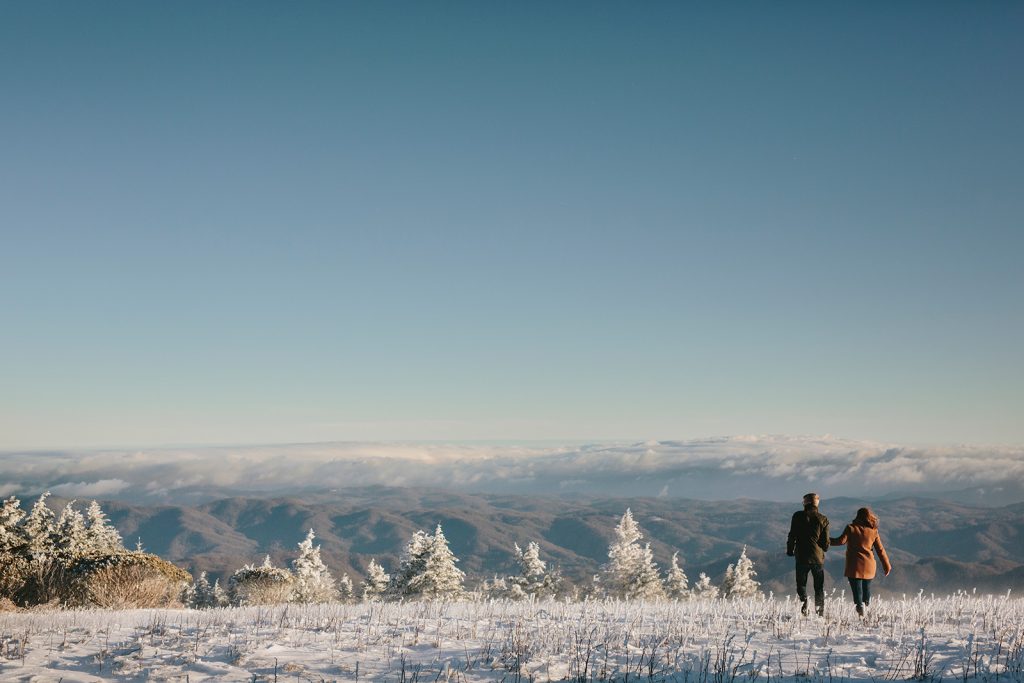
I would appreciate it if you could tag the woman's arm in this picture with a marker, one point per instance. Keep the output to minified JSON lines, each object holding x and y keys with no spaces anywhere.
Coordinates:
{"x":841,"y":540}
{"x":880,"y":549}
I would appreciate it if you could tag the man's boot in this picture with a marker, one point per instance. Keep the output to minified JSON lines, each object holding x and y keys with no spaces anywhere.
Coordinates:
{"x":860,"y":610}
{"x":820,"y":609}
{"x":803,"y":607}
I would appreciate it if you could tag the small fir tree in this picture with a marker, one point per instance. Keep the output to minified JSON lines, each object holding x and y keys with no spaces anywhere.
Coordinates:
{"x":439,"y":578}
{"x":13,"y":536}
{"x":677,"y":586}
{"x":411,"y":565}
{"x":704,"y":589}
{"x":13,"y":548}
{"x":346,"y":593}
{"x":376,"y":581}
{"x":630,"y":572}
{"x":313,"y":581}
{"x":39,"y":526}
{"x":102,"y":537}
{"x":70,"y":539}
{"x":534,"y":579}
{"x":739,"y":579}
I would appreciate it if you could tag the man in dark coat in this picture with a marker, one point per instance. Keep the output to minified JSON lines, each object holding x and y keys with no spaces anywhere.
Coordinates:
{"x":808,"y":541}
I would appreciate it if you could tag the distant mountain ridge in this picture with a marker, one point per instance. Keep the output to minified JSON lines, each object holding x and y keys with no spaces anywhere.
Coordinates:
{"x":936,"y":545}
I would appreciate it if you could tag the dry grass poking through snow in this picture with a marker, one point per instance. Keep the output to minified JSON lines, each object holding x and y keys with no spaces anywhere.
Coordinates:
{"x":955,"y":638}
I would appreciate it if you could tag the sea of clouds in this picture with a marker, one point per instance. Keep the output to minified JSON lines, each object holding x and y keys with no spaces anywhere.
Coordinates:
{"x":763,"y":467}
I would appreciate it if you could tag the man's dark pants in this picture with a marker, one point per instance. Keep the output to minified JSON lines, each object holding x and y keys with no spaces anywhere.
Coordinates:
{"x":818,"y":573}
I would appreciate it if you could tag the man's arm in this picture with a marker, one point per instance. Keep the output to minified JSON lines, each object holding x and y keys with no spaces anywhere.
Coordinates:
{"x":823,"y":536}
{"x":791,"y":540}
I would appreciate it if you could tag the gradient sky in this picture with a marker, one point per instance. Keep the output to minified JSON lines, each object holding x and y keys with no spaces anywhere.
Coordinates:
{"x":247,"y":222}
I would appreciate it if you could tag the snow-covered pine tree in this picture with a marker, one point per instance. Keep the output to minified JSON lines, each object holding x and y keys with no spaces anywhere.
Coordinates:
{"x":39,"y":526}
{"x":201,"y":595}
{"x":534,"y":580}
{"x":313,"y":581}
{"x":631,"y":572}
{"x":497,"y":588}
{"x":704,"y":589}
{"x":218,"y":596}
{"x":13,"y":546}
{"x":677,"y":586}
{"x":739,"y":579}
{"x":376,"y":581}
{"x":189,"y":595}
{"x":411,"y":565}
{"x":70,"y":539}
{"x":346,"y":593}
{"x":101,"y":535}
{"x":440,"y":578}
{"x":13,"y":536}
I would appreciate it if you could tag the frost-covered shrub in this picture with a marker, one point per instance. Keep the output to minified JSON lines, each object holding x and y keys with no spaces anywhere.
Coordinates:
{"x":125,"y":580}
{"x":261,"y":585}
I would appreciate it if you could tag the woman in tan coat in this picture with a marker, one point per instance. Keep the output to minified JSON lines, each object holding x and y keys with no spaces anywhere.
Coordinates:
{"x":861,"y":538}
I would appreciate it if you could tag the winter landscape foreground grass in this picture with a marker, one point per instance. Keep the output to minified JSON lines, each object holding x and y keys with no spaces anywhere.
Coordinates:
{"x":703,"y":641}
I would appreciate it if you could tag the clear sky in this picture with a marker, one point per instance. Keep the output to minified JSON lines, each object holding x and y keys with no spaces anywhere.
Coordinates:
{"x":248,"y":222}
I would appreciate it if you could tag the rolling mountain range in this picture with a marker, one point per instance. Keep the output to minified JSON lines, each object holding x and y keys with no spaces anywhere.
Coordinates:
{"x":935,"y":545}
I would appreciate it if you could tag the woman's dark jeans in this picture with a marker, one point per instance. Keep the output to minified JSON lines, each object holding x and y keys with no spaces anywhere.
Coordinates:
{"x":861,"y":591}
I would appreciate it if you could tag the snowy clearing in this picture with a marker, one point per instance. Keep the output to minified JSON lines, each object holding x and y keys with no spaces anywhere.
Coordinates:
{"x":705,"y":641}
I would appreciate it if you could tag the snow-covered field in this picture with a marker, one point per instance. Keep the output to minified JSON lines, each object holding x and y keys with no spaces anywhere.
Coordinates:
{"x":716,"y":641}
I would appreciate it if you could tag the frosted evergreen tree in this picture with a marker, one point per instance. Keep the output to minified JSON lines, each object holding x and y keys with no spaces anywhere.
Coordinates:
{"x":631,"y":572}
{"x":39,"y":527}
{"x":376,"y":581}
{"x":201,"y":595}
{"x":411,"y":565}
{"x":346,"y":593}
{"x":704,"y":589}
{"x":13,"y":535}
{"x":313,"y":581}
{"x":101,"y":535}
{"x":739,"y":579}
{"x":70,"y":538}
{"x":439,"y":578}
{"x":534,"y":579}
{"x":677,"y":586}
{"x":498,"y":588}
{"x":13,"y":546}
{"x":218,"y":596}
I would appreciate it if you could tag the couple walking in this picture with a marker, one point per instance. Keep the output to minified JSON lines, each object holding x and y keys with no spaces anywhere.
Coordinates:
{"x":809,"y":540}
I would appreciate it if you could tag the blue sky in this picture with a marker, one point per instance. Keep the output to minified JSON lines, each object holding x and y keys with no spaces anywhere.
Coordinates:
{"x":248,"y":222}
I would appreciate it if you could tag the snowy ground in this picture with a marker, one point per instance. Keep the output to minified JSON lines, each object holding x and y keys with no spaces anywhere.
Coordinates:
{"x":978,"y":638}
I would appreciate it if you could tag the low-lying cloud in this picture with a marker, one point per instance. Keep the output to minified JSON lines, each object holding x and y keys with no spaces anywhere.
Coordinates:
{"x":767,"y":467}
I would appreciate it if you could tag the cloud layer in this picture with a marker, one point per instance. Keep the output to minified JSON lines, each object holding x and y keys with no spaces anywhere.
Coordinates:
{"x":767,"y":467}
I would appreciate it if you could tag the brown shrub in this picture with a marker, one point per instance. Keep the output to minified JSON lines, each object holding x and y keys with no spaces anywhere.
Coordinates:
{"x":127,"y":580}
